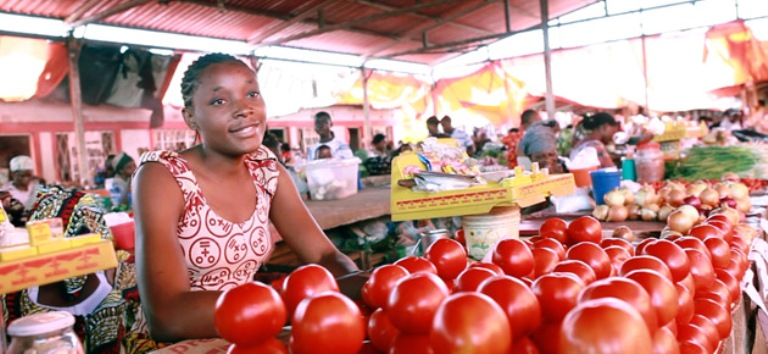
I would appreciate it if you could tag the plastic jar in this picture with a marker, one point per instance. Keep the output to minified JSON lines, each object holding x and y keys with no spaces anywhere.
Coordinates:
{"x":649,"y":163}
{"x":44,"y":333}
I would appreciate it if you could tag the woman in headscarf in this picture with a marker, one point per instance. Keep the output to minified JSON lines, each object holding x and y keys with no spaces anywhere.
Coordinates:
{"x":121,"y":189}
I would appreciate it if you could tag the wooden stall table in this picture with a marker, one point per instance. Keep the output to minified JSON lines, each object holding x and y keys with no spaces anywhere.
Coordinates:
{"x":530,"y":224}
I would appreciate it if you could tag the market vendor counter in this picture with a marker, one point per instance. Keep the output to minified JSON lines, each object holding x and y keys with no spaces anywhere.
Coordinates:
{"x":368,"y":203}
{"x":530,"y":224}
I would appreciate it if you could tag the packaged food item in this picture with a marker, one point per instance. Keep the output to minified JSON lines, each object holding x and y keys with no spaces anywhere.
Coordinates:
{"x":44,"y":231}
{"x":44,"y":333}
{"x":649,"y":163}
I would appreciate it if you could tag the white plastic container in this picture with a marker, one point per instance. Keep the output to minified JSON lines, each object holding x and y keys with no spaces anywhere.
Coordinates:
{"x":332,"y":179}
{"x":482,"y":232}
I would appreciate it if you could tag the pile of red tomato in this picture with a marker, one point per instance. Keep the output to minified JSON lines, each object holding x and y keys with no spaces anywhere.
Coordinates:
{"x":565,"y":291}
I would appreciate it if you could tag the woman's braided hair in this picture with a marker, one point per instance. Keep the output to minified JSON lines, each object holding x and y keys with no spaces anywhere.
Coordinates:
{"x":190,"y":80}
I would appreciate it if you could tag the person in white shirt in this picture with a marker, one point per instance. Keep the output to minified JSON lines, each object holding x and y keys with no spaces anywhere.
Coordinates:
{"x":459,"y":135}
{"x":23,"y":181}
{"x":339,"y":149}
{"x":380,"y":148}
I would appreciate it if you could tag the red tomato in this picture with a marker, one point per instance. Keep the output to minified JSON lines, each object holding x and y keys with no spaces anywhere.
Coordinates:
{"x":661,"y":291}
{"x":524,"y":345}
{"x":593,"y":256}
{"x":608,"y":242}
{"x":688,"y":333}
{"x":645,"y":262}
{"x":672,"y":255}
{"x":585,"y":228}
{"x":688,"y":283}
{"x":730,"y":282}
{"x":413,"y":302}
{"x":742,"y":263}
{"x":664,"y":342}
{"x":719,"y":251}
{"x":721,"y":317}
{"x":618,"y":255}
{"x":644,"y":243}
{"x":415,"y":265}
{"x":739,"y":242}
{"x":724,"y":226}
{"x":306,"y":281}
{"x":604,"y":326}
{"x":692,"y":348}
{"x":411,"y":344}
{"x":268,"y":346}
{"x":471,"y":278}
{"x":581,"y":269}
{"x":381,"y":331}
{"x":448,"y":256}
{"x":494,"y":268}
{"x":702,"y":231}
{"x":517,"y":300}
{"x":318,"y":320}
{"x":552,"y":244}
{"x":459,"y":237}
{"x":381,"y":282}
{"x":627,"y":290}
{"x":546,"y":338}
{"x":684,"y":305}
{"x":368,"y":348}
{"x":279,"y":284}
{"x":557,"y":294}
{"x":249,"y":314}
{"x":701,"y":269}
{"x":544,"y":261}
{"x":514,"y":257}
{"x":554,"y":228}
{"x":707,"y":327}
{"x":692,"y":243}
{"x":457,"y":328}
{"x":719,"y":218}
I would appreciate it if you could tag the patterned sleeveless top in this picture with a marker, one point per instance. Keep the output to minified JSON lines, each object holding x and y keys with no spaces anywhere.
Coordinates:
{"x":221,"y":254}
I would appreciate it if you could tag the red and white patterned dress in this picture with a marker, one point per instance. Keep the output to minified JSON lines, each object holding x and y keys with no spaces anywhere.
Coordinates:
{"x":221,"y":254}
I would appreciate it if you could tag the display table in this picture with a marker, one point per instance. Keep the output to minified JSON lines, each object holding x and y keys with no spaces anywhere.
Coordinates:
{"x":368,"y":203}
{"x":529,"y":225}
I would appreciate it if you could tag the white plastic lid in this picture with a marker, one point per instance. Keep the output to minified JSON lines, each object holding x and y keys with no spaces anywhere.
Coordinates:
{"x":41,"y":323}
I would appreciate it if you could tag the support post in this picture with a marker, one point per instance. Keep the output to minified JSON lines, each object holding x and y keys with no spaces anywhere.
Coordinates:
{"x":76,"y":100}
{"x":549,"y":99}
{"x":367,"y":129}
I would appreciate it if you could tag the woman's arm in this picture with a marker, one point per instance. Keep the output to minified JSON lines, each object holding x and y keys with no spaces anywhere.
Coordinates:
{"x":173,"y":311}
{"x":301,"y":232}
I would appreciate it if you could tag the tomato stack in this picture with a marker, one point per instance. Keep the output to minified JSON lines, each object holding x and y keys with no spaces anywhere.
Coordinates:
{"x":564,"y":291}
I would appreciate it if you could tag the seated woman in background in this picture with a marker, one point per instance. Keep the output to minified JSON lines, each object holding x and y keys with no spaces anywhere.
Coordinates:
{"x":601,"y":126}
{"x":121,"y":189}
{"x":211,"y":233}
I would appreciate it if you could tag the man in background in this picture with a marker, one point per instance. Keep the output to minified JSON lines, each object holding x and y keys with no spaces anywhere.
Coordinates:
{"x":433,"y":127}
{"x":459,"y":135}
{"x":323,"y":125}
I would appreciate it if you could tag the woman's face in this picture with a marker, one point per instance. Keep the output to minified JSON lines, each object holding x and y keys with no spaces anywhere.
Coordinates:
{"x":128,"y":169}
{"x":22,"y":178}
{"x":606,"y":133}
{"x":227,"y":109}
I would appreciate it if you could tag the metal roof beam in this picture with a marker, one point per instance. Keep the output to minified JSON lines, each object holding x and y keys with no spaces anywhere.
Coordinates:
{"x":293,"y":20}
{"x":81,"y":11}
{"x":359,"y":21}
{"x":447,"y":46}
{"x":425,"y":17}
{"x":432,"y":26}
{"x":108,"y":12}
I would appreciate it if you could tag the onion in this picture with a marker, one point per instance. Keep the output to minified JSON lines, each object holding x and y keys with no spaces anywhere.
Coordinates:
{"x":709,"y":197}
{"x":665,"y":211}
{"x":601,"y":212}
{"x":667,"y":232}
{"x":743,"y":205}
{"x":693,"y":201}
{"x":648,"y":214}
{"x":730,"y":177}
{"x":664,"y":194}
{"x":689,"y":210}
{"x":655,"y":207}
{"x":617,"y":213}
{"x":728,"y":201}
{"x":675,"y":197}
{"x":681,"y":221}
{"x":738,"y":190}
{"x":633,"y":211}
{"x":746,"y":231}
{"x":676,"y":186}
{"x":695,"y":189}
{"x":646,"y":196}
{"x":629,"y":197}
{"x":722,"y":190}
{"x":614,"y":198}
{"x":623,"y":232}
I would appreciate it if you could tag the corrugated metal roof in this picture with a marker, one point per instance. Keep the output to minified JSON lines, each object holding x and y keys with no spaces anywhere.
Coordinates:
{"x":363,"y":27}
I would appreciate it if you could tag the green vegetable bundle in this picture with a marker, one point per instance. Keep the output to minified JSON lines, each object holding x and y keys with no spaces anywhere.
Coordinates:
{"x":712,"y":162}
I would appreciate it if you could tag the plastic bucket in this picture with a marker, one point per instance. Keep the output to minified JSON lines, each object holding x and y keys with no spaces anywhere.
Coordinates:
{"x":483,"y":231}
{"x":581,"y":176}
{"x":604,"y":181}
{"x":124,"y":236}
{"x":426,"y":239}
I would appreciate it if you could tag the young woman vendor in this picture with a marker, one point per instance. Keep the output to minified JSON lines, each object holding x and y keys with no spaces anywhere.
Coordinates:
{"x":202,"y":214}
